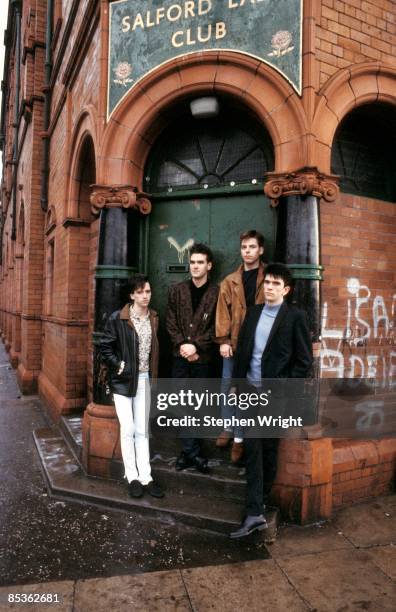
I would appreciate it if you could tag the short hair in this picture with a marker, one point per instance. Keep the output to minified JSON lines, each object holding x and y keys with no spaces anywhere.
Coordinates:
{"x":137,"y":281}
{"x":280,"y":270}
{"x":201,"y":249}
{"x":252,"y":234}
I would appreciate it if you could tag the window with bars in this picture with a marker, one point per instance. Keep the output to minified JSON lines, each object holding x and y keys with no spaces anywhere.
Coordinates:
{"x":195,"y":154}
{"x":363,"y":152}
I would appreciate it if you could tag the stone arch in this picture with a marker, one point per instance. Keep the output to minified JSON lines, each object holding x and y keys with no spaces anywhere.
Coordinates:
{"x":83,"y":143}
{"x":346,"y":90}
{"x":143,"y":113}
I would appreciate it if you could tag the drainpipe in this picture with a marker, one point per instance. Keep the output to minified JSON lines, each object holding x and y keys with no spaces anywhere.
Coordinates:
{"x":17,"y":13}
{"x":47,"y":105}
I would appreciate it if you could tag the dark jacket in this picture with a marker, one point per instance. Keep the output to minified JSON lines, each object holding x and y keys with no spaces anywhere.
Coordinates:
{"x":185,"y":326}
{"x":120,"y":342}
{"x":288,"y":353}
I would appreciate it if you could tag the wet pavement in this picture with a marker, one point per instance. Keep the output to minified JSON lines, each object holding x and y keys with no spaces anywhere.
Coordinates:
{"x":44,"y":539}
{"x":86,"y":559}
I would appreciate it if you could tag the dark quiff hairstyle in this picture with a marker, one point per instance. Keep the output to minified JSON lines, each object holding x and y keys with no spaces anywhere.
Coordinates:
{"x":252,"y":234}
{"x":280,"y":270}
{"x":137,"y":281}
{"x":201,"y":249}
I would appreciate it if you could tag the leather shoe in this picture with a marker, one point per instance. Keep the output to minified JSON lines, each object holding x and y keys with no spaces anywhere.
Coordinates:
{"x":135,"y":488}
{"x":153,"y":489}
{"x":237,"y":452}
{"x":183,"y":462}
{"x":201,"y":464}
{"x":250,"y":524}
{"x":224,"y":439}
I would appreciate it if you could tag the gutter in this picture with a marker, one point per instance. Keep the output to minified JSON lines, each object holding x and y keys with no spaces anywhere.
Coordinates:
{"x":47,"y":106}
{"x":15,"y":4}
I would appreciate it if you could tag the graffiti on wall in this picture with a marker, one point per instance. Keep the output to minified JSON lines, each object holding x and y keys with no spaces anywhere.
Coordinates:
{"x":376,"y":333}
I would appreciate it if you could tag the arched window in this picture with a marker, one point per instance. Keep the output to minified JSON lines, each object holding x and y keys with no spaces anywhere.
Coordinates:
{"x":201,"y":153}
{"x":363,"y":152}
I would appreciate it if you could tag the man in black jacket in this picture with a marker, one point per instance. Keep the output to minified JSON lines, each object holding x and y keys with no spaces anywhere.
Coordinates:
{"x":129,"y":348}
{"x":190,"y":322}
{"x":274,"y":342}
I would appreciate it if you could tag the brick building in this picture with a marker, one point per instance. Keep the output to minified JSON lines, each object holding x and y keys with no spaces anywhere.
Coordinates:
{"x":100,"y":165}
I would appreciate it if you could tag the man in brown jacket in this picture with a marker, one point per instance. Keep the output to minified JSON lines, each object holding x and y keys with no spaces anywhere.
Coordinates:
{"x":190,"y":322}
{"x":238,"y":291}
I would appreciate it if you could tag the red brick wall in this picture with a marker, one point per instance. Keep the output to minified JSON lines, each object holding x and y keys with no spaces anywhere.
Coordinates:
{"x":355,"y":31}
{"x":358,"y":238}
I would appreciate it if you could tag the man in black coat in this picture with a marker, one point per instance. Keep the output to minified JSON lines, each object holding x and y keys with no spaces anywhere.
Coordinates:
{"x":190,"y":322}
{"x":274,"y":342}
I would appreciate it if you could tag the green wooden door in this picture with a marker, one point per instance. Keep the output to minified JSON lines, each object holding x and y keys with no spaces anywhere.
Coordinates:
{"x":215,"y":220}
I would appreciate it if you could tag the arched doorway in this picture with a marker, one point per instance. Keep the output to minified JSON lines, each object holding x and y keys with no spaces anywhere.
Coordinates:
{"x":206,"y":178}
{"x":363,"y":152}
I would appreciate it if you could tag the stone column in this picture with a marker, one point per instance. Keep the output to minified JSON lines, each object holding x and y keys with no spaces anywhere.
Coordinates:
{"x":100,"y":424}
{"x":304,"y":482}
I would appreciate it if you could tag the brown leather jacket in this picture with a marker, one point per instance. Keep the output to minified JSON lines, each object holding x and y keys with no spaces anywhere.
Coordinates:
{"x":231,"y":305}
{"x":184,"y":325}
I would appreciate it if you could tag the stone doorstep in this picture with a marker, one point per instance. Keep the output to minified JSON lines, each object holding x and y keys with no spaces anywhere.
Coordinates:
{"x":66,"y":480}
{"x":225,"y":480}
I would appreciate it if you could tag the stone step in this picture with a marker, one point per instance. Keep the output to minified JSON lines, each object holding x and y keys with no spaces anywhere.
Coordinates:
{"x":66,"y":479}
{"x":225,"y":480}
{"x":71,"y":429}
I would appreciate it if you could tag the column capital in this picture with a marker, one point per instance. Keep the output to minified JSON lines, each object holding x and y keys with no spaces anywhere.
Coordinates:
{"x":118,"y":196}
{"x":303,"y":182}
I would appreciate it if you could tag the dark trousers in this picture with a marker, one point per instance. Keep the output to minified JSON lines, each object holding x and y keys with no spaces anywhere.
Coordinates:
{"x":261,"y":462}
{"x":183,"y":369}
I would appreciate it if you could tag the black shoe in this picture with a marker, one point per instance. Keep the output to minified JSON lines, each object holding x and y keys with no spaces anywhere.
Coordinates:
{"x":153,"y":489}
{"x":201,"y":464}
{"x":135,"y":489}
{"x":250,"y":524}
{"x":183,"y":462}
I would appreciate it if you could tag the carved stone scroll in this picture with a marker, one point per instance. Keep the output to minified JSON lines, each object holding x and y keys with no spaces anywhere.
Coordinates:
{"x":118,"y":196}
{"x":302,"y":182}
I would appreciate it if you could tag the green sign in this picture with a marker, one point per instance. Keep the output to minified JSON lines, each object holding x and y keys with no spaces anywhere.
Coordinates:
{"x":146,"y":33}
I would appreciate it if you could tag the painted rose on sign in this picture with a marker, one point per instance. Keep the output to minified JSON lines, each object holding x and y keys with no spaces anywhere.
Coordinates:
{"x":123,"y":71}
{"x":281,"y":43}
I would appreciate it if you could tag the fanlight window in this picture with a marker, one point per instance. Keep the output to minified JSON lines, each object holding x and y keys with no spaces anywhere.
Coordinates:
{"x":208,"y":153}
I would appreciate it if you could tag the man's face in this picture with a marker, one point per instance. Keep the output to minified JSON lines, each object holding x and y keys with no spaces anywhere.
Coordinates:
{"x":251,"y":251}
{"x":199,"y":266}
{"x":274,"y":290}
{"x":142,"y":296}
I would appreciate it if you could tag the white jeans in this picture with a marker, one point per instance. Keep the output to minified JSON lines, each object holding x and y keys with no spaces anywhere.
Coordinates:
{"x":133,"y":414}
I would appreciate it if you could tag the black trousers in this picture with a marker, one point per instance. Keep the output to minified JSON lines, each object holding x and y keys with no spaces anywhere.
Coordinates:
{"x":183,"y":369}
{"x":261,"y":456}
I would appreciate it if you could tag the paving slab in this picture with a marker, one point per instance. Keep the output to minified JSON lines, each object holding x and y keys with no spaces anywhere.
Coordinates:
{"x":341,"y":580}
{"x":370,"y":523}
{"x":155,"y":592}
{"x":385,"y":558}
{"x":62,"y":592}
{"x":295,"y":540}
{"x":251,"y":587}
